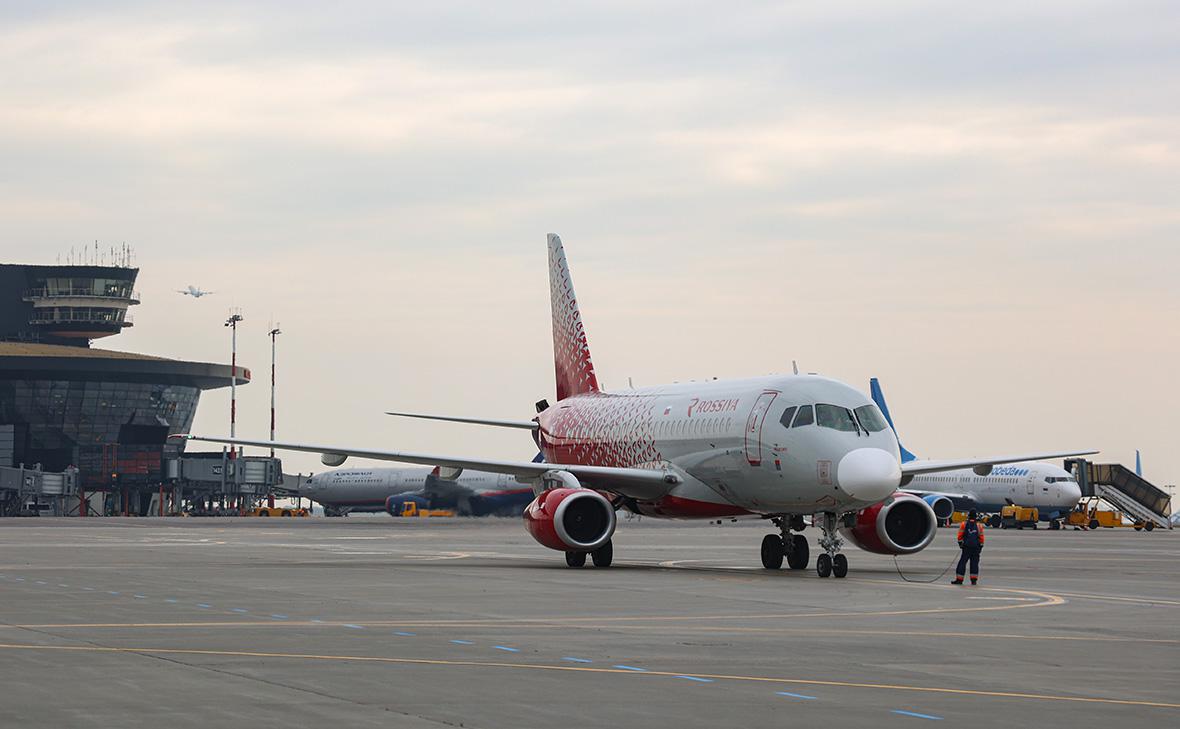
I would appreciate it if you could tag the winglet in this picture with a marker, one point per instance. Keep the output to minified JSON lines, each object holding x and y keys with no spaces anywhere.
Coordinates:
{"x":571,"y":351}
{"x":879,"y":398}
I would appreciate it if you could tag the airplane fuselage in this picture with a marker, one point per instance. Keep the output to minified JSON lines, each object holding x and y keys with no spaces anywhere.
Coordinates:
{"x":1051,"y":489}
{"x":367,"y":489}
{"x":728,"y":443}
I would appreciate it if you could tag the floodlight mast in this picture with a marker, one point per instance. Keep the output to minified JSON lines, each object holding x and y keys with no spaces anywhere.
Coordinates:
{"x":235,"y":316}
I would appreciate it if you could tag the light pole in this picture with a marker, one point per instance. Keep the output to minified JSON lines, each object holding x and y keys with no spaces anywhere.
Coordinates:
{"x":235,"y":316}
{"x":274,"y":333}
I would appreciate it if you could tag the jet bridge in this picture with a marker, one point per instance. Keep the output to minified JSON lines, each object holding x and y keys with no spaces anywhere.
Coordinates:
{"x":1121,"y":487}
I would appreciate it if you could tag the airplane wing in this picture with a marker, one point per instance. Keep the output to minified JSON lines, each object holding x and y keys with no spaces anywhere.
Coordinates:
{"x":915,"y":467}
{"x":522,"y":424}
{"x":638,"y":483}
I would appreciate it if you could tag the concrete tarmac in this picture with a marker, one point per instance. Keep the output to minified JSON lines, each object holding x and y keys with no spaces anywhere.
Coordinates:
{"x":372,"y":621}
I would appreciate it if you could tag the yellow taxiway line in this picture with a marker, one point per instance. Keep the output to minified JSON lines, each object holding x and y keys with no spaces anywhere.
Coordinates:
{"x":584,"y":669}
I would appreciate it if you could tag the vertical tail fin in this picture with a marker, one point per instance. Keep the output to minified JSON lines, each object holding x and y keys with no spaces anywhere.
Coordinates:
{"x":879,"y":398}
{"x":1138,"y":464}
{"x":571,"y":351}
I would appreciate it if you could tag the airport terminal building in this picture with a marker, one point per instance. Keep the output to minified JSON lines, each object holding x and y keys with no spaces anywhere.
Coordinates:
{"x":102,"y":416}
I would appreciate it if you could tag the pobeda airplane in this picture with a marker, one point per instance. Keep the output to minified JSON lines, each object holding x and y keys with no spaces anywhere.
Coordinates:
{"x":779,"y":447}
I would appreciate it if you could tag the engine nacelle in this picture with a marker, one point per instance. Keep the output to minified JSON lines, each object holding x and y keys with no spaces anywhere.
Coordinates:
{"x":396,"y":503}
{"x":901,"y":524}
{"x":942,"y":505}
{"x":570,"y":520}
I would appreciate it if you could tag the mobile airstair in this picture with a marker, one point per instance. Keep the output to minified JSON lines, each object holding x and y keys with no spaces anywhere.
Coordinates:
{"x":1122,"y":488}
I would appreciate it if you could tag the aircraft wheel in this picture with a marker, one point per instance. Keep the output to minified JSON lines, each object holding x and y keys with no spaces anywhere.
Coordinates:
{"x":772,"y":551}
{"x":575,"y":559}
{"x":603,"y":556}
{"x":823,"y":565}
{"x":264,"y":513}
{"x":800,"y":555}
{"x":1149,"y":525}
{"x":839,"y":565}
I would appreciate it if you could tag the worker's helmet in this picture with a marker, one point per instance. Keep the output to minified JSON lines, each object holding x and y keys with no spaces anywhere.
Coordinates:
{"x":972,"y":515}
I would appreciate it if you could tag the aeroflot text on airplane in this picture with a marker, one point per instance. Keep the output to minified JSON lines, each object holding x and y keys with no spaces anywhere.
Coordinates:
{"x":1009,"y":471}
{"x":700,"y":407}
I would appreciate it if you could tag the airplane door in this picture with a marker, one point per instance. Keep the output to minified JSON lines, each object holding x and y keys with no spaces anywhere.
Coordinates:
{"x":1031,"y":486}
{"x":754,"y":427}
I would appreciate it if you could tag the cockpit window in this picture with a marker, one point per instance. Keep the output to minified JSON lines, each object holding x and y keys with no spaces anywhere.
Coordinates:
{"x":805,"y":417}
{"x":871,"y":418}
{"x":837,"y":418}
{"x":787,"y":415}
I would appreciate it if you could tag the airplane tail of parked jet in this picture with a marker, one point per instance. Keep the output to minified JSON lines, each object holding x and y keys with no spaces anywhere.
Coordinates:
{"x":879,"y":398}
{"x":1138,"y":464}
{"x":571,"y":351}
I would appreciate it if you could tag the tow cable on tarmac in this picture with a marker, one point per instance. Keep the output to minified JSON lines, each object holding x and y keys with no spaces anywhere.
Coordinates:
{"x":942,"y":574}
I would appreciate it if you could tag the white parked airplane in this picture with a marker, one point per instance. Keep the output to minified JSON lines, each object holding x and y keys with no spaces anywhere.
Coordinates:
{"x":472,"y":493}
{"x":781,"y":447}
{"x":1052,"y":489}
{"x":194,"y":292}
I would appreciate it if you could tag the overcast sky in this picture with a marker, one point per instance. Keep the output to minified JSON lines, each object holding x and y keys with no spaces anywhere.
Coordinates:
{"x":977,"y":204}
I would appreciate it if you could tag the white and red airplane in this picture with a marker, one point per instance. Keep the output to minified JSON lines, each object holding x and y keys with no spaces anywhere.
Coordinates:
{"x":779,"y":447}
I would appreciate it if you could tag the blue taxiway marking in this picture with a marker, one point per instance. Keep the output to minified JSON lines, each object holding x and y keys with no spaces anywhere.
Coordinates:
{"x":698,"y":679}
{"x":354,"y":626}
{"x":462,"y":642}
{"x":794,"y":696}
{"x":507,"y":648}
{"x":279,"y":617}
{"x":917,"y":716}
{"x":572,"y":659}
{"x":403,"y":633}
{"x":629,"y":668}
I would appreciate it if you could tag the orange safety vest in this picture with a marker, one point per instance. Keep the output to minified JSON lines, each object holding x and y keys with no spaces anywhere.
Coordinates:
{"x":978,"y":531}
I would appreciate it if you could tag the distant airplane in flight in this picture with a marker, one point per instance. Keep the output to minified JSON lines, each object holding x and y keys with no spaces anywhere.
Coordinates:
{"x":194,"y":292}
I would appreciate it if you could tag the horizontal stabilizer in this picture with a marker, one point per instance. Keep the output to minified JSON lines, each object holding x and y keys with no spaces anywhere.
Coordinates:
{"x":522,"y":424}
{"x":913,"y":468}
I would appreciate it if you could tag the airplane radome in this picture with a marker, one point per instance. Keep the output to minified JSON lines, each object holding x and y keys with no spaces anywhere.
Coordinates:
{"x":780,"y":447}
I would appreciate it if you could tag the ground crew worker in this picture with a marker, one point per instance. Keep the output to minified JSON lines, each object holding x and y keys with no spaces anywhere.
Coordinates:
{"x":971,"y":542}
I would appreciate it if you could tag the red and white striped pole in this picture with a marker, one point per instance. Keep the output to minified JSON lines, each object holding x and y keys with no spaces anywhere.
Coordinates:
{"x":274,"y":333}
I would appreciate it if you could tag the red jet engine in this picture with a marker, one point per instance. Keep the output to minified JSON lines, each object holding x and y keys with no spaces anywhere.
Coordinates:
{"x":570,"y":520}
{"x":901,"y":524}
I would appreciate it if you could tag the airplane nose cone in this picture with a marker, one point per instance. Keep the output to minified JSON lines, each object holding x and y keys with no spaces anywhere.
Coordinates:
{"x":868,"y":474}
{"x":1071,"y":494}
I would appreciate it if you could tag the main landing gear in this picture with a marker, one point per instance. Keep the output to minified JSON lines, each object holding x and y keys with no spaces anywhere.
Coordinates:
{"x":793,"y":547}
{"x":831,"y":562}
{"x":601,"y":557}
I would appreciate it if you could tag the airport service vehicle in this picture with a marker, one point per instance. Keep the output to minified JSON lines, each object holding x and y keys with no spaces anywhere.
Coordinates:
{"x":275,"y":511}
{"x":194,"y":292}
{"x":470,"y":493}
{"x":779,"y":447}
{"x":1052,"y":490}
{"x":1089,"y":516}
{"x":1017,"y":517}
{"x":410,"y":508}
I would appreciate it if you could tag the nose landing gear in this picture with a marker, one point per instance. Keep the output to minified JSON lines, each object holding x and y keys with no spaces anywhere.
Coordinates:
{"x":831,"y":562}
{"x":793,"y":547}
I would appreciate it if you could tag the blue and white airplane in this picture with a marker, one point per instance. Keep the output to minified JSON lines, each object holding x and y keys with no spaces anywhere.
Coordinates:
{"x":1051,"y":489}
{"x":471,"y":493}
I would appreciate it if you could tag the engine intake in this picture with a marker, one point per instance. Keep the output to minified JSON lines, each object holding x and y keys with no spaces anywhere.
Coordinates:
{"x":901,"y":524}
{"x":570,"y":520}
